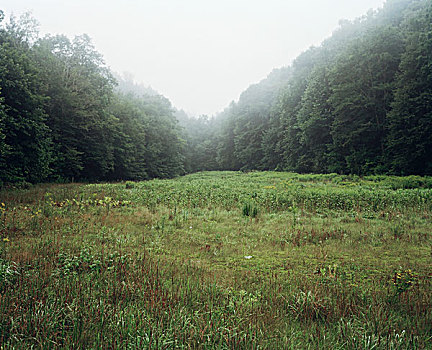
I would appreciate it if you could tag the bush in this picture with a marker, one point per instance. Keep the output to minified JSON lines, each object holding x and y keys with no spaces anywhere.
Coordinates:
{"x":130,"y":185}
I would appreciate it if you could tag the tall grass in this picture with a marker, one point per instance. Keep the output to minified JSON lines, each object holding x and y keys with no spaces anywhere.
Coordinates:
{"x":218,"y":260}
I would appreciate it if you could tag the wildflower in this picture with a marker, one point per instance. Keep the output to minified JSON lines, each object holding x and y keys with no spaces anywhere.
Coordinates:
{"x":5,"y":239}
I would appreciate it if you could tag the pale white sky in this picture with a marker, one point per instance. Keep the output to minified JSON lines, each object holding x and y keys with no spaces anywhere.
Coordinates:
{"x":201,"y":54}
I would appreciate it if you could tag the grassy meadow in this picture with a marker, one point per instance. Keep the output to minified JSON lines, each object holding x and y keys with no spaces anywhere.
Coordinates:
{"x":222,"y":260}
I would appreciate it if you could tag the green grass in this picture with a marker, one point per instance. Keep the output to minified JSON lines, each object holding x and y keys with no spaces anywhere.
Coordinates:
{"x":219,"y":260}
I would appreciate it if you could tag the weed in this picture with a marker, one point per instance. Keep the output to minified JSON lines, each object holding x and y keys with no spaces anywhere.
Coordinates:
{"x":172,"y":264}
{"x":8,"y":274}
{"x":249,"y":209}
{"x":403,"y":280}
{"x":129,"y":185}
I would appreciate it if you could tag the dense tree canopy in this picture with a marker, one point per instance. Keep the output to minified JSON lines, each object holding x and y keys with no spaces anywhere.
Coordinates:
{"x":62,"y":119}
{"x":25,"y":140}
{"x":359,"y":103}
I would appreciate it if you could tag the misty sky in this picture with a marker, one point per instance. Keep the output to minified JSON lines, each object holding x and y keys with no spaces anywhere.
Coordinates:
{"x":201,"y":54}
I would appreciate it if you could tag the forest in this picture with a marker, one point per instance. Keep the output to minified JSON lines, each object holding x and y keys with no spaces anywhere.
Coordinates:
{"x":360,"y":103}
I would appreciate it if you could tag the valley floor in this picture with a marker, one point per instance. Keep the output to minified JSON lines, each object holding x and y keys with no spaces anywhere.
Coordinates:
{"x":219,"y":260}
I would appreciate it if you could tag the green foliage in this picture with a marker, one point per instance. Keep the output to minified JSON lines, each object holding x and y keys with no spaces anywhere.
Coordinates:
{"x":200,"y":138}
{"x":8,"y":273}
{"x":79,"y":88}
{"x":86,"y":262}
{"x":25,"y":143}
{"x":359,"y":104}
{"x":147,"y":139}
{"x":410,"y":121}
{"x":60,"y":119}
{"x":249,"y":209}
{"x":163,"y":156}
{"x":129,"y":185}
{"x":334,"y":261}
{"x":362,"y":83}
{"x":403,"y":281}
{"x":315,"y":119}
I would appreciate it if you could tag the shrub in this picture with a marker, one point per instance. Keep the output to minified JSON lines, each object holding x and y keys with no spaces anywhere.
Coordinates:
{"x":130,"y":185}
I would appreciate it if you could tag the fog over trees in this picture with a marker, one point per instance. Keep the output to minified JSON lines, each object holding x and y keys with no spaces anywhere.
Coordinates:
{"x":359,"y":103}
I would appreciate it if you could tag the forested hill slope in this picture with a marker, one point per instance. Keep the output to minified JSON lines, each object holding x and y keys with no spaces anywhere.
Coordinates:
{"x":62,"y":120}
{"x":359,"y":103}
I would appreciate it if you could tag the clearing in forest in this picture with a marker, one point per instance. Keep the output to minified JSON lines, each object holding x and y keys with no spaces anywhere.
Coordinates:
{"x":219,"y":260}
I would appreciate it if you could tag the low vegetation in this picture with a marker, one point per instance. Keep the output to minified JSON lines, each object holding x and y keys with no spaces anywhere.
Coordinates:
{"x":218,"y":260}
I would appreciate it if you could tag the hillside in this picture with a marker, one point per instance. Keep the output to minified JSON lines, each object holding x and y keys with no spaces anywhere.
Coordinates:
{"x":360,"y":103}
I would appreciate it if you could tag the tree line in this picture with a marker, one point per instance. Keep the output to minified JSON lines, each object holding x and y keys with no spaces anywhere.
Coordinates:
{"x":61,"y":118}
{"x":359,"y":103}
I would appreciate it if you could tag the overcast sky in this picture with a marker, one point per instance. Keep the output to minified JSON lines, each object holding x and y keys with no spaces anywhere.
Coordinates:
{"x":201,"y":54}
